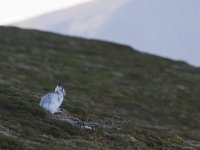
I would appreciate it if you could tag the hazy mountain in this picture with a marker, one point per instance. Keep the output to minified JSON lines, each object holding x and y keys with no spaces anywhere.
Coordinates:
{"x":170,"y":28}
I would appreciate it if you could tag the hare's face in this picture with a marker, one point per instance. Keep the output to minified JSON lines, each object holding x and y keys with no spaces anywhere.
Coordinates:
{"x":60,"y":88}
{"x":63,"y":91}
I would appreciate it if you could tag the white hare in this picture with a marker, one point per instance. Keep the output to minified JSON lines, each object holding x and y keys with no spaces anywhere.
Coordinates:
{"x":52,"y":100}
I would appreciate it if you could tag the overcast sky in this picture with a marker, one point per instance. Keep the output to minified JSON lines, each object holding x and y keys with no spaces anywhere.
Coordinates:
{"x":17,"y":10}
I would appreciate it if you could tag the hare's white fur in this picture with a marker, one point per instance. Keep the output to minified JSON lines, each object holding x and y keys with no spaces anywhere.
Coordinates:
{"x":52,"y":100}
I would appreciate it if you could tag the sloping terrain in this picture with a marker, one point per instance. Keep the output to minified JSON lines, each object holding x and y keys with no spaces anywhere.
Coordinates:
{"x":131,"y":99}
{"x":169,"y":29}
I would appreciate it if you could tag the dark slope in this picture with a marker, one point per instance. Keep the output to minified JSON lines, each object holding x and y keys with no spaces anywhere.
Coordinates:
{"x":134,"y":100}
{"x":168,"y":29}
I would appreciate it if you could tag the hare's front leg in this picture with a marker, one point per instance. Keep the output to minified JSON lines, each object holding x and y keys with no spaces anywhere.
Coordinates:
{"x":58,"y":110}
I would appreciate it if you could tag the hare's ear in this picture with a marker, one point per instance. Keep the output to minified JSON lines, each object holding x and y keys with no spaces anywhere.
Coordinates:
{"x":59,"y":83}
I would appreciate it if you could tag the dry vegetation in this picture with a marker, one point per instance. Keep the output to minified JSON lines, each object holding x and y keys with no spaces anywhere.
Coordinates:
{"x":134,"y":100}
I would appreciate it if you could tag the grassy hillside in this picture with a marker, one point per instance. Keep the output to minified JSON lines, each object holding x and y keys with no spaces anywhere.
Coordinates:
{"x":133,"y":100}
